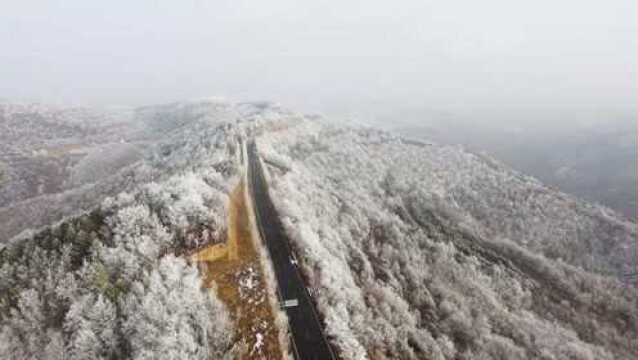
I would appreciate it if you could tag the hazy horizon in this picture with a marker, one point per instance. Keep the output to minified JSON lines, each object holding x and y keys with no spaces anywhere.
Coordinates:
{"x":324,"y":56}
{"x":414,"y":179}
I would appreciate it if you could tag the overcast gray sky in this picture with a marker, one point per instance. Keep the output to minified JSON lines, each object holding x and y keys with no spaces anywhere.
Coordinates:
{"x":323,"y":53}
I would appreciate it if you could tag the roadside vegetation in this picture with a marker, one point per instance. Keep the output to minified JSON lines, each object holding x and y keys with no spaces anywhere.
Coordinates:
{"x":239,"y":281}
{"x":428,"y":252}
{"x":412,"y":250}
{"x":114,"y":283}
{"x":107,"y":285}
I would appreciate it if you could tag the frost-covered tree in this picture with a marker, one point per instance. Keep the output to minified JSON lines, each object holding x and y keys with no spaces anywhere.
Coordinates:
{"x":416,"y":251}
{"x":168,"y":313}
{"x":106,"y":284}
{"x":92,"y":322}
{"x":409,"y":247}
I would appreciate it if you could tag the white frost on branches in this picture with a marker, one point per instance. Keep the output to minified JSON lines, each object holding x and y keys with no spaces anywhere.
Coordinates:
{"x":408,"y":247}
{"x":167,"y":313}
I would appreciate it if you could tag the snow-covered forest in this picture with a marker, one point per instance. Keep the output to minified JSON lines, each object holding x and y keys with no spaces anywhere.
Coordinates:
{"x":425,"y":251}
{"x":57,"y":162}
{"x":110,"y":284}
{"x":411,"y":250}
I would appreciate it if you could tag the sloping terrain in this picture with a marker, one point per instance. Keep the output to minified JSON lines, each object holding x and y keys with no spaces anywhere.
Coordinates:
{"x":57,"y":162}
{"x":410,"y":250}
{"x":429,"y":252}
{"x":111,"y":284}
{"x":589,"y":153}
{"x":238,"y":278}
{"x":484,"y":195}
{"x":42,"y":144}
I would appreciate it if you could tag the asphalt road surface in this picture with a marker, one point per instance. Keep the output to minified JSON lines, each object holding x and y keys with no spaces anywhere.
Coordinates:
{"x":306,"y":329}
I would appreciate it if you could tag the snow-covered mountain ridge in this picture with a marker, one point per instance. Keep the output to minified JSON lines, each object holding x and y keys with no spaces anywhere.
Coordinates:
{"x":414,"y":251}
{"x":426,"y":251}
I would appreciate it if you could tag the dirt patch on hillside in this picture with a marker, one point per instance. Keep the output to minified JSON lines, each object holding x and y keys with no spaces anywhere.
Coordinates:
{"x":241,"y":284}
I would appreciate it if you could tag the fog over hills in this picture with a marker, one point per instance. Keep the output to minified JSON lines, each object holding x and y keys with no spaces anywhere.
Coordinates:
{"x":409,"y":180}
{"x":423,"y":249}
{"x":414,"y":250}
{"x":58,"y":161}
{"x":590,"y":153}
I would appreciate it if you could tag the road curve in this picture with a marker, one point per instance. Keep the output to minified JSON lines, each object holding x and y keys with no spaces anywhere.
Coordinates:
{"x":308,"y":340}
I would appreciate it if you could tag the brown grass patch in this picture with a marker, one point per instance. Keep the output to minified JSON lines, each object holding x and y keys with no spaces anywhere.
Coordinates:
{"x":241,"y":285}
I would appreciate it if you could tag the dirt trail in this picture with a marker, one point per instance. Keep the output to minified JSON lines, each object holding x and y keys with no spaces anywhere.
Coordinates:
{"x":236,"y":270}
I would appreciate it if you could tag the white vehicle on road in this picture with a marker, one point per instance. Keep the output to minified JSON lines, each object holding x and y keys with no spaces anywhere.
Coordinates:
{"x":290,"y":303}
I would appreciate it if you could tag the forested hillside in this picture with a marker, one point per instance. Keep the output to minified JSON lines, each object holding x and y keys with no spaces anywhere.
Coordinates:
{"x":56,"y":162}
{"x":591,"y":153}
{"x":411,"y":250}
{"x":110,"y":284}
{"x":423,"y":251}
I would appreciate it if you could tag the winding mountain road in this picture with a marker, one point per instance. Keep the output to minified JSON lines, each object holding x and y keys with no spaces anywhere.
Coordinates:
{"x":307,"y":337}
